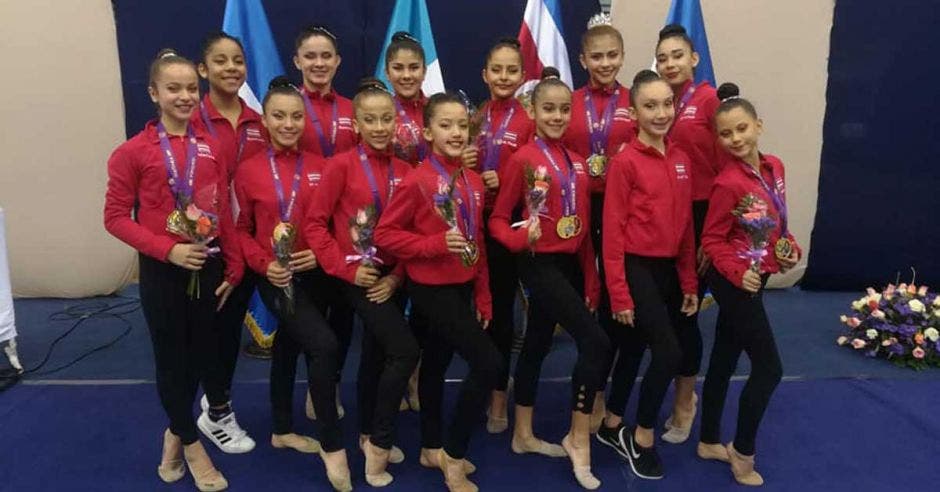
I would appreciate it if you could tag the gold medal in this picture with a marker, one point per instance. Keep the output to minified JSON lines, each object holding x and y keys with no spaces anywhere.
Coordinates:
{"x":597,"y":165}
{"x":568,"y":226}
{"x":470,"y":254}
{"x":783,"y":248}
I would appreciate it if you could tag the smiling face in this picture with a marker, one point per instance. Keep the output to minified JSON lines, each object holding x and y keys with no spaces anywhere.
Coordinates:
{"x":175,"y":90}
{"x":284,"y":120}
{"x":317,"y":60}
{"x":449,"y":129}
{"x":602,"y":57}
{"x":675,"y":61}
{"x":503,"y":73}
{"x":224,"y":67}
{"x":551,"y":110}
{"x":738,"y":132}
{"x":653,"y":109}
{"x":406,"y":72}
{"x":375,"y":120}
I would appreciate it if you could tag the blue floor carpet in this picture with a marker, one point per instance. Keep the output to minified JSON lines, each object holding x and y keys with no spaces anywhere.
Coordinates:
{"x":821,"y":435}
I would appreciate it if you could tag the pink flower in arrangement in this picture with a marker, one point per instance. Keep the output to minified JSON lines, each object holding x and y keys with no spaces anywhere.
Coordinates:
{"x":752,"y":215}
{"x":918,"y":353}
{"x":858,"y":343}
{"x":890,"y":290}
{"x":873,"y":305}
{"x":889,"y":342}
{"x":870,"y":291}
{"x":902,"y":288}
{"x":919,"y":338}
{"x":853,"y":322}
{"x":879,"y":314}
{"x":922,"y":291}
{"x":193,"y":212}
{"x":912,"y":289}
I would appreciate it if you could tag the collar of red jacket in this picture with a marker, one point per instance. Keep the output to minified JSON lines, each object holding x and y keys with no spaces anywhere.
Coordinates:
{"x":502,"y":104}
{"x":151,"y":131}
{"x":373,"y":153}
{"x":288,"y":152}
{"x":637,"y":144}
{"x":602,"y":91}
{"x":449,"y":163}
{"x":315,"y":95}
{"x":415,"y":103}
{"x":247,"y":114}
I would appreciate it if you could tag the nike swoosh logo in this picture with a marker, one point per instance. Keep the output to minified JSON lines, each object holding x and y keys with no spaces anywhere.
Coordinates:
{"x":633,"y":453}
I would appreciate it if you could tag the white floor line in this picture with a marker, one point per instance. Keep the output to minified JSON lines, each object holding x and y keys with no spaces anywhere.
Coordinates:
{"x":124,"y":382}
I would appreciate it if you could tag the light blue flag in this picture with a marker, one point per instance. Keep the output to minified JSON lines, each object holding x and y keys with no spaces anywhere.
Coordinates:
{"x":412,"y":16}
{"x":688,"y":13}
{"x":246,"y":20}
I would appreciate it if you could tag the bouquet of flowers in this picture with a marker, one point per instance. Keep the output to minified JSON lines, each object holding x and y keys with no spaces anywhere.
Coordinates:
{"x":538,"y":181}
{"x":752,"y":215}
{"x":407,"y":142}
{"x":283,"y":242}
{"x":900,"y":323}
{"x":196,"y":226}
{"x":446,"y":205}
{"x":361,"y":228}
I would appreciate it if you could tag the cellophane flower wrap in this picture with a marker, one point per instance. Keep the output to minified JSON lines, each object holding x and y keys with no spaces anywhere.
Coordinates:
{"x":361,"y":230}
{"x":282,"y":240}
{"x":446,"y":205}
{"x":900,"y":323}
{"x":193,"y":221}
{"x":752,"y":215}
{"x":538,"y":181}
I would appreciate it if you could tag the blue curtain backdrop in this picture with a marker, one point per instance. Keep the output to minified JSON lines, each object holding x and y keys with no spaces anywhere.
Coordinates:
{"x":463,"y":33}
{"x":879,"y":183}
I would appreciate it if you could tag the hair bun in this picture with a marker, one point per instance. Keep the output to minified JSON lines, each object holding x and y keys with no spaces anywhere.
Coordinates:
{"x":166,"y":53}
{"x":644,"y":76}
{"x":550,"y":72}
{"x":279,"y":82}
{"x":672,"y":30}
{"x":371,"y":84}
{"x":403,"y":36}
{"x":728,"y":90}
{"x":510,"y":41}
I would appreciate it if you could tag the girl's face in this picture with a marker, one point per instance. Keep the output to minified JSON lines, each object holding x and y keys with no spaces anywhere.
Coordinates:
{"x":738,"y":132}
{"x":224,"y":67}
{"x":503,"y":73}
{"x":375,"y":120}
{"x":653,"y":109}
{"x":175,"y":90}
{"x":675,"y":61}
{"x":284,"y":120}
{"x":449,"y":129}
{"x":406,"y":72}
{"x":552,"y":111}
{"x":317,"y":61}
{"x":602,"y":57}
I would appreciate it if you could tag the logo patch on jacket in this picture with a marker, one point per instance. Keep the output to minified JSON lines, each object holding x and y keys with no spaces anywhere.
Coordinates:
{"x":204,"y":150}
{"x":313,"y":179}
{"x":253,"y":135}
{"x":681,"y":171}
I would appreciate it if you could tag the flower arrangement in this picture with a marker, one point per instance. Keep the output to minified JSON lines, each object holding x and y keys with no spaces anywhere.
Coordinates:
{"x":361,"y":229}
{"x":901,"y":323}
{"x":446,"y":205}
{"x":196,"y":226}
{"x":752,"y":215}
{"x":538,"y":182}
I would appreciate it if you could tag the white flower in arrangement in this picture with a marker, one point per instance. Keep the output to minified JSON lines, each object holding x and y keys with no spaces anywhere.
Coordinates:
{"x":843,"y":318}
{"x":871,"y":333}
{"x":874,"y":297}
{"x":859,"y":304}
{"x":936,"y":313}
{"x":842,"y":340}
{"x":916,"y":306}
{"x":936,"y":301}
{"x":932,"y":334}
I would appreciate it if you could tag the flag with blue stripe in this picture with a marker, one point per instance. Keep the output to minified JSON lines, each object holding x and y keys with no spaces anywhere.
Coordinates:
{"x":688,"y":13}
{"x":412,"y":16}
{"x":246,"y":20}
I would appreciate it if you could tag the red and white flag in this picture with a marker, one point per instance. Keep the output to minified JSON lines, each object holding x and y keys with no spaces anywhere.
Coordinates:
{"x":543,"y":41}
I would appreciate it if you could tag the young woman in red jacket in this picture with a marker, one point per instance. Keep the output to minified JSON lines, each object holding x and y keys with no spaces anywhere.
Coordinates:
{"x":434,"y":226}
{"x":600,"y":126}
{"x":168,"y":169}
{"x":649,"y":255}
{"x":693,"y":131}
{"x":738,"y":283}
{"x":353,"y":196}
{"x":273,"y":189}
{"x":558,"y":267}
{"x":328,"y":131}
{"x":239,"y":131}
{"x":506,"y":127}
{"x":405,"y":69}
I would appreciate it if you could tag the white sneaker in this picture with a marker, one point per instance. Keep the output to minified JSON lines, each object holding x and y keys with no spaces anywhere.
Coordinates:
{"x":204,"y":404}
{"x":226,"y":434}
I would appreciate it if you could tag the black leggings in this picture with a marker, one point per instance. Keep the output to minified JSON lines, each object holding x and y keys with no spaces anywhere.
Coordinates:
{"x":305,"y":330}
{"x":742,"y":326}
{"x":453,"y":327}
{"x":385,"y":367}
{"x":341,"y":317}
{"x":184,"y":333}
{"x":504,"y":283}
{"x":231,"y":320}
{"x":555,"y":287}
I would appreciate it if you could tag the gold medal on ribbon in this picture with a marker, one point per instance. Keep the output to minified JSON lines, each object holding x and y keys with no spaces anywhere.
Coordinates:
{"x":597,"y":165}
{"x":470,"y":254}
{"x":568,"y":226}
{"x":783,"y":248}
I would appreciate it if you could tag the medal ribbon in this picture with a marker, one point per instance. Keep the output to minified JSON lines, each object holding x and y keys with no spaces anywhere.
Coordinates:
{"x":567,"y":180}
{"x":779,"y":203}
{"x":285,"y":209}
{"x":180,"y":189}
{"x":490,"y":147}
{"x":600,"y":129}
{"x":326,"y":146}
{"x":466,"y":204}
{"x":373,"y":186}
